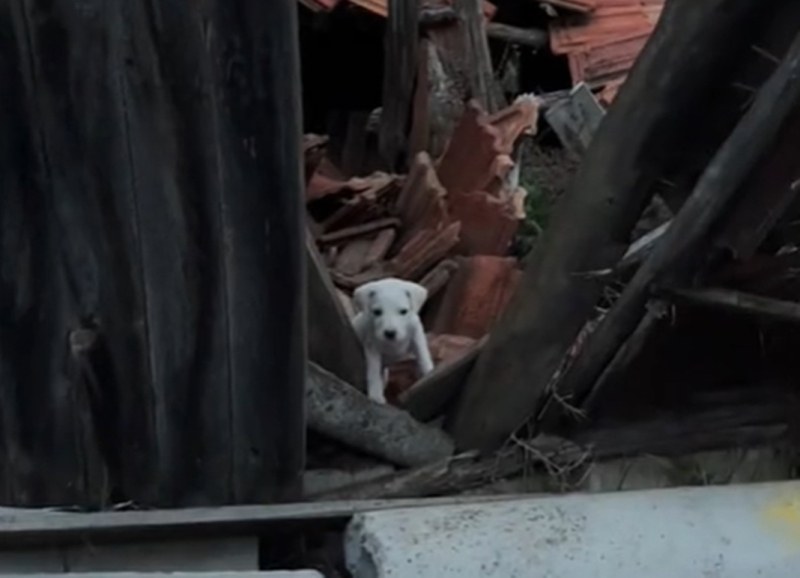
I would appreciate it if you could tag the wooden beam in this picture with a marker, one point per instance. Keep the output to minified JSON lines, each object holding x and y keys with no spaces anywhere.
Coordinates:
{"x":675,"y":75}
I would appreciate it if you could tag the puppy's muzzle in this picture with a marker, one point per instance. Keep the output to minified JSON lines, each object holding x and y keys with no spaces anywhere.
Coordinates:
{"x":390,"y":334}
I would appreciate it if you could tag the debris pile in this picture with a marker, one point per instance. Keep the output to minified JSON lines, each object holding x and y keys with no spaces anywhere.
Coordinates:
{"x":657,"y":313}
{"x":448,"y":224}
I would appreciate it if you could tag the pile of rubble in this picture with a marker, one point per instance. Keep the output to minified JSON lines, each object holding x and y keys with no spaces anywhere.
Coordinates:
{"x":622,"y":336}
{"x":448,"y":225}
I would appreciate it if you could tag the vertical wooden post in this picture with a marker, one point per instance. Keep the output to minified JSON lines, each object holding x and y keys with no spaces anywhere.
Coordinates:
{"x":476,"y":48}
{"x":400,"y":71}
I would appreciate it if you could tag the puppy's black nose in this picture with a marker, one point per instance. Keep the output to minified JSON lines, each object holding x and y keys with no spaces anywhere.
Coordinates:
{"x":390,"y":334}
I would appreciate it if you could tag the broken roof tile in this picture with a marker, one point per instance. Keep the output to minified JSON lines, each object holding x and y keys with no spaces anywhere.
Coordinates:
{"x":470,"y":155}
{"x":477,"y":295}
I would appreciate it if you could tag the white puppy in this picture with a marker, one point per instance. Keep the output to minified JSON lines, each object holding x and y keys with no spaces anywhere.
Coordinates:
{"x":387,"y":323}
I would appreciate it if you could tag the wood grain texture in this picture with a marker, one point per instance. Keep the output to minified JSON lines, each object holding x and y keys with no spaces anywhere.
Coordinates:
{"x":153,"y":190}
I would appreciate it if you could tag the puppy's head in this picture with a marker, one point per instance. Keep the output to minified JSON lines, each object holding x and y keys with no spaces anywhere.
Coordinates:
{"x":391,"y":306}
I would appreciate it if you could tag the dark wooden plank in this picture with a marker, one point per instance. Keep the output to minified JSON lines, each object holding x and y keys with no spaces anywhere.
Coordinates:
{"x":738,"y":303}
{"x":675,"y":259}
{"x":429,"y":397}
{"x":400,"y":71}
{"x":160,"y":202}
{"x":658,"y":108}
{"x":332,"y":343}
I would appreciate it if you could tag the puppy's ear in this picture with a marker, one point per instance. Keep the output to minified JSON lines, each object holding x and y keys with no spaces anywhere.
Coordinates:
{"x":361,"y":297}
{"x":417,"y":294}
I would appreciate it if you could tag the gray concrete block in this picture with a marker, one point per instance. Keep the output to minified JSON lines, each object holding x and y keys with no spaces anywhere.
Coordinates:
{"x":723,"y":531}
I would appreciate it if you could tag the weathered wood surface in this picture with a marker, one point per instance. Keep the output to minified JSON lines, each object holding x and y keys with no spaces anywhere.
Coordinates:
{"x":677,"y":257}
{"x":658,"y":109}
{"x":400,"y":72}
{"x":151,"y":190}
{"x":335,"y":409}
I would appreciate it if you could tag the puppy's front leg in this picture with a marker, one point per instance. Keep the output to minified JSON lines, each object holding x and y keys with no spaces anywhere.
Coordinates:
{"x":375,"y":382}
{"x":421,"y":351}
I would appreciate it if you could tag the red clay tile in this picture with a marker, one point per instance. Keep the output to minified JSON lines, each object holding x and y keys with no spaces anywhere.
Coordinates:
{"x":488,"y":224}
{"x":424,"y":250}
{"x":515,"y":120}
{"x":477,"y":295}
{"x":467,"y":162}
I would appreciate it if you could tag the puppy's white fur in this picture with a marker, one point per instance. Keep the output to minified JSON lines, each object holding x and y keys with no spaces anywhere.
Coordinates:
{"x":387,"y":323}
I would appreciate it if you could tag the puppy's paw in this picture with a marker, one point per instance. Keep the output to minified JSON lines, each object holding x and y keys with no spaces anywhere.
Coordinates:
{"x":378,"y":397}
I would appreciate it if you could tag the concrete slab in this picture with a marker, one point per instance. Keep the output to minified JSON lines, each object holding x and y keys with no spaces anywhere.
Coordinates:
{"x":715,"y":532}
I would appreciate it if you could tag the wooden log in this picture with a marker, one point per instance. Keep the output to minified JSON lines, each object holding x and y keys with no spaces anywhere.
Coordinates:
{"x":340,"y":412}
{"x":400,"y":71}
{"x":738,"y":303}
{"x":150,"y":156}
{"x":530,"y":37}
{"x":655,"y":110}
{"x":332,"y":343}
{"x":674,"y":260}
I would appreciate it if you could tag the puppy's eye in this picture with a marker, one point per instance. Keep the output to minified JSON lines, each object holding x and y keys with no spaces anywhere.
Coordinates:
{"x":377,"y":312}
{"x":404,"y":312}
